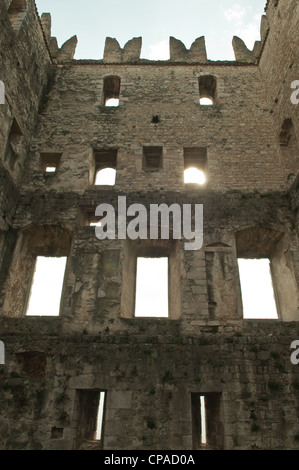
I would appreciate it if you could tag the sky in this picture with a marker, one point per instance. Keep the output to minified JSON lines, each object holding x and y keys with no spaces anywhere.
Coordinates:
{"x":155,"y":21}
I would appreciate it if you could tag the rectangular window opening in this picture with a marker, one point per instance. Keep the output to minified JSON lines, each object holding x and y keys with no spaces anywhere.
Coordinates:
{"x":195,"y":165}
{"x":49,"y":162}
{"x":152,"y":287}
{"x":90,"y":419}
{"x":46,"y":286}
{"x":258,"y":294}
{"x":207,"y":89}
{"x":105,"y":167}
{"x":207,"y":421}
{"x":111,"y":91}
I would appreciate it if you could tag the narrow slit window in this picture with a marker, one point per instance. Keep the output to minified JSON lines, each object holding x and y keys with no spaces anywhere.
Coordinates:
{"x":203,"y":420}
{"x":257,"y":289}
{"x":152,"y":287}
{"x":90,"y":419}
{"x":207,"y":421}
{"x":100,"y":417}
{"x":46,"y":286}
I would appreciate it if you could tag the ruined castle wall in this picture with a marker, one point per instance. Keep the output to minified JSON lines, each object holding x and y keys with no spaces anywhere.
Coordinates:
{"x":279,"y":69}
{"x":25,"y":68}
{"x":152,"y":370}
{"x":75,"y":122}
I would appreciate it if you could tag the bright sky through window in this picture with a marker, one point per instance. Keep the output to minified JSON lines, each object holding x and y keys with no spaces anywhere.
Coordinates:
{"x":106,"y":176}
{"x":206,"y":101}
{"x":100,"y":416}
{"x":152,"y":287}
{"x":50,"y":169}
{"x":193,"y":175}
{"x":203,"y":420}
{"x":112,"y":102}
{"x":257,"y":289}
{"x":46,"y":286}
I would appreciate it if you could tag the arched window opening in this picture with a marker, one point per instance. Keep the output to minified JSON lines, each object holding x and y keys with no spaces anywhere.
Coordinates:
{"x":105,"y":167}
{"x":195,"y":164}
{"x":111,"y":91}
{"x":193,"y":175}
{"x":105,"y":176}
{"x":206,"y":101}
{"x":207,"y":90}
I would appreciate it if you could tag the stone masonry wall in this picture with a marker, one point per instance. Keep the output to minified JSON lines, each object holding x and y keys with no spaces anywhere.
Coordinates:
{"x":151,"y":369}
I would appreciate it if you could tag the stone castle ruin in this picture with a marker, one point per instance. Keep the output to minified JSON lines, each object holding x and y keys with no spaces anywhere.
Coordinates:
{"x":95,"y":375}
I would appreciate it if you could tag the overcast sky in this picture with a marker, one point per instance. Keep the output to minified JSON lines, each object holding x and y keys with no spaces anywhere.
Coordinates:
{"x":155,"y":21}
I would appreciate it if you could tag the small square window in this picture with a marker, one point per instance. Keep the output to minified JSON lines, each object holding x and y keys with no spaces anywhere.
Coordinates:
{"x":50,"y":162}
